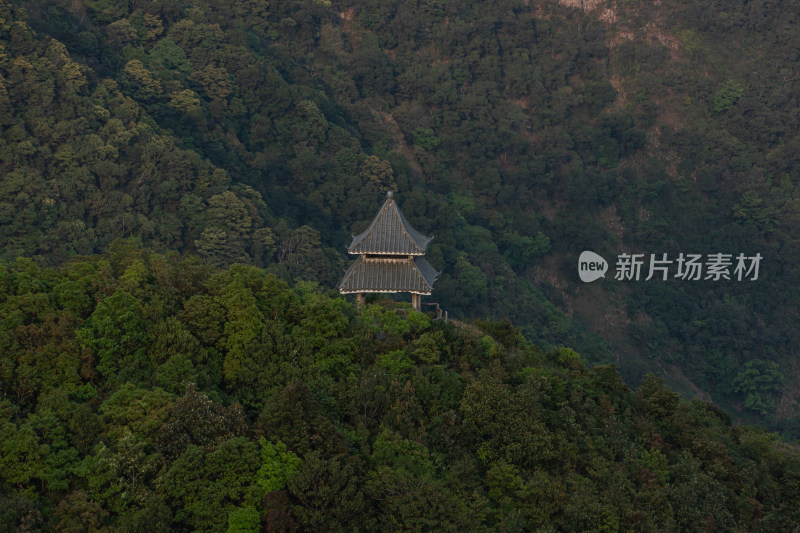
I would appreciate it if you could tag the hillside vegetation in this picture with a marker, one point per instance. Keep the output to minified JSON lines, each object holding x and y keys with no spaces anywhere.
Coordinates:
{"x":144,"y":392}
{"x":519,"y":133}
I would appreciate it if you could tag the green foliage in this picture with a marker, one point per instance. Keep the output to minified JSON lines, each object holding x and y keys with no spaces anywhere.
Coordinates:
{"x":170,"y":55}
{"x":426,"y":138}
{"x":264,"y":134}
{"x":728,"y":95}
{"x":397,"y":363}
{"x":141,"y":410}
{"x":117,"y":332}
{"x":426,"y":426}
{"x":657,"y":463}
{"x":20,"y":454}
{"x":244,"y":520}
{"x":277,"y":466}
{"x":429,"y":347}
{"x":202,"y":503}
{"x":759,"y":381}
{"x":196,"y":420}
{"x":520,"y":135}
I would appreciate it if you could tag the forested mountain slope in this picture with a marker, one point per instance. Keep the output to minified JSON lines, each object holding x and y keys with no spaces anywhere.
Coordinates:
{"x":519,"y":133}
{"x":145,"y":392}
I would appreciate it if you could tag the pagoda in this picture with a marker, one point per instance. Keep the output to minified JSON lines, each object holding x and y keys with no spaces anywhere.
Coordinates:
{"x":390,"y":258}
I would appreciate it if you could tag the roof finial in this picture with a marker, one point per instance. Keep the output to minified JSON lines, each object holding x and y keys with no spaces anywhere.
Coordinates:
{"x":389,"y":194}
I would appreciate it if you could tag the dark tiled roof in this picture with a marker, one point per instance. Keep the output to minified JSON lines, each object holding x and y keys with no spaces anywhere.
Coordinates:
{"x":389,"y":274}
{"x":390,"y":233}
{"x":427,"y":270}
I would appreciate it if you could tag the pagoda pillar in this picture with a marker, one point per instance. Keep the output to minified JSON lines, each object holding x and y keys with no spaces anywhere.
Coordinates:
{"x":416,"y":301}
{"x":361,"y":298}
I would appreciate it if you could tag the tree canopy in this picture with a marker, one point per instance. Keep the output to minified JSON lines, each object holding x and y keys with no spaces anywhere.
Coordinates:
{"x":240,"y":403}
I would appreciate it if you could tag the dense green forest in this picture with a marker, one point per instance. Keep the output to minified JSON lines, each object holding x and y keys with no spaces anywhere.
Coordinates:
{"x":519,"y":133}
{"x":149,"y":392}
{"x":179,"y":180}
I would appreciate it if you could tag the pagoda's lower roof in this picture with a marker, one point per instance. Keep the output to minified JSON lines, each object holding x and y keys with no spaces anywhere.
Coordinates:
{"x":389,"y":274}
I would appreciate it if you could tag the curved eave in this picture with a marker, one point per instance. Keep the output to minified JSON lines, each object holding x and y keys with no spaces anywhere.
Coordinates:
{"x":387,"y":254}
{"x":372,"y":291}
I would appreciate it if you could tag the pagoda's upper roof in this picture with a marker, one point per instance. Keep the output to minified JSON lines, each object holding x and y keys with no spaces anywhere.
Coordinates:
{"x":389,"y":274}
{"x":390,"y":233}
